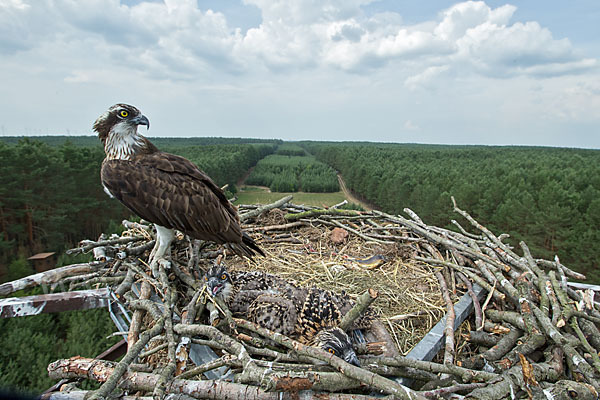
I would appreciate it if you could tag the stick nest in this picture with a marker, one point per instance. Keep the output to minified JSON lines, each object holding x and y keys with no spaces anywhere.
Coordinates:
{"x":409,"y":301}
{"x":531,"y":333}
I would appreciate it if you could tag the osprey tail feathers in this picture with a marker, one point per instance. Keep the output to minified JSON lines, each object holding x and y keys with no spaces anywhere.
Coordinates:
{"x":247,"y":247}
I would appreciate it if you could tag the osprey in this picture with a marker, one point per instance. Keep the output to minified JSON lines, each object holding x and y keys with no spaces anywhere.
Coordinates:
{"x":165,"y":189}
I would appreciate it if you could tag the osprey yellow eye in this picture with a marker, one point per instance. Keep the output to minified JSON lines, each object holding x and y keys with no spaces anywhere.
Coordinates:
{"x":223,"y":276}
{"x":124,"y":113}
{"x":332,"y":351}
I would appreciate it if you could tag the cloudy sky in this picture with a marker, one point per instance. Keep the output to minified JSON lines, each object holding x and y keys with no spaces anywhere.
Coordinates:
{"x":475,"y":72}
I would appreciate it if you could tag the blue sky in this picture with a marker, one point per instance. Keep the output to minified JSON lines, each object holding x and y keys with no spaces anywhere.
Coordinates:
{"x":474,"y":72}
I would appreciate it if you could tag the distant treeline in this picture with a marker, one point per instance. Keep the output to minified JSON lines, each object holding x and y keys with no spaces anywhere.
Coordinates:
{"x":549,"y":197}
{"x":160,"y":142}
{"x":287,"y":173}
{"x":51,"y":196}
{"x":289,"y":149}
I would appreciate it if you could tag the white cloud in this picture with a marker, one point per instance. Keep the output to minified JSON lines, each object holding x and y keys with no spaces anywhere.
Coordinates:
{"x":306,"y":12}
{"x":78,"y":77}
{"x":178,"y":38}
{"x":310,"y":61}
{"x":460,"y":18}
{"x":20,"y":26}
{"x":423,"y":79}
{"x":576,"y":101}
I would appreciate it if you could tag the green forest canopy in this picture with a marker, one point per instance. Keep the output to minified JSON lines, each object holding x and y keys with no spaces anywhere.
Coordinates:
{"x":286,"y":171}
{"x":51,"y":196}
{"x":549,"y":197}
{"x":160,"y":142}
{"x":29,"y":344}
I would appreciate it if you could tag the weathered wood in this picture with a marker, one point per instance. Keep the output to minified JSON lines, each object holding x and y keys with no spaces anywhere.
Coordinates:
{"x":136,"y":319}
{"x":450,"y":317}
{"x":570,"y":351}
{"x":87,"y":245}
{"x":558,"y":266}
{"x":362,"y":303}
{"x":476,"y":306}
{"x":48,"y":277}
{"x":262,"y":209}
{"x":497,"y":350}
{"x":111,"y":381}
{"x":515,"y":283}
{"x":265,"y":377}
{"x":55,"y":302}
{"x":431,"y":344}
{"x":483,"y":338}
{"x":506,"y":385}
{"x":319,"y":212}
{"x":373,"y":380}
{"x":281,"y":227}
{"x":584,"y":286}
{"x":466,"y":374}
{"x":354,"y":231}
{"x":98,"y":370}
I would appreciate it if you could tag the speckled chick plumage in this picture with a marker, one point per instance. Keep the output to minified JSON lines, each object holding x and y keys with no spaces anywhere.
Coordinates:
{"x":240,"y":289}
{"x":280,"y":305}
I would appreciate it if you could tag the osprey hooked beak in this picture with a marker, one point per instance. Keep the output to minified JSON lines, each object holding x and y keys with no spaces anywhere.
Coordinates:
{"x":140,"y":120}
{"x":217,"y":281}
{"x":215,"y":286}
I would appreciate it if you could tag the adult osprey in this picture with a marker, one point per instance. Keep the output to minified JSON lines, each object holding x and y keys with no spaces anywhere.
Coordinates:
{"x":167,"y":190}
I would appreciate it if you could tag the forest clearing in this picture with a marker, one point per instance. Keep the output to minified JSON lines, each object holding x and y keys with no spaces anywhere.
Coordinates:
{"x":257,"y":195}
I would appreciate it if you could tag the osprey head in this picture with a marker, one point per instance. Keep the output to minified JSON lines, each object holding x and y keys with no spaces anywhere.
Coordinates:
{"x":119,"y":118}
{"x":337,"y":342}
{"x":218,"y":281}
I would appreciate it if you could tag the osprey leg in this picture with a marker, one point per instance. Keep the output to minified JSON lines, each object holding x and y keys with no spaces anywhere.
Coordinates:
{"x":164,"y":237}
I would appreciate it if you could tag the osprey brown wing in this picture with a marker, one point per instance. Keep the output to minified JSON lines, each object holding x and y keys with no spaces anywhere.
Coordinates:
{"x":172,"y":192}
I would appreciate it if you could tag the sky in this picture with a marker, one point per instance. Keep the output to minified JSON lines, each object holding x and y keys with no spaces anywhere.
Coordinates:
{"x":409,"y":71}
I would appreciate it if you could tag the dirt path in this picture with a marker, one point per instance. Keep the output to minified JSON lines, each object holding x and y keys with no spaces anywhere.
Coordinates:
{"x":241,"y":181}
{"x":351,"y":198}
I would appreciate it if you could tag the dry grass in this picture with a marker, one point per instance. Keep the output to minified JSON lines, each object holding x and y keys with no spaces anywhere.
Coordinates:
{"x":409,"y":300}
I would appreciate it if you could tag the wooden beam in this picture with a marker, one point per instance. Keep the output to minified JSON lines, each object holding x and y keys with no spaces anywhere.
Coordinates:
{"x":55,"y":302}
{"x":585,"y":286}
{"x":115,"y":351}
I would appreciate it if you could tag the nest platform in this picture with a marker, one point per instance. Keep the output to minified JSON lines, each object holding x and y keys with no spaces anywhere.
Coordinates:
{"x":531,"y":333}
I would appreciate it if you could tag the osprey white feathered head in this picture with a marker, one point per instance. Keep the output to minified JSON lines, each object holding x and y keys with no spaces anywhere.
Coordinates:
{"x":117,"y":128}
